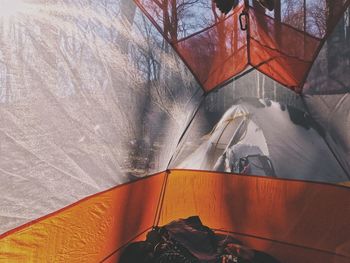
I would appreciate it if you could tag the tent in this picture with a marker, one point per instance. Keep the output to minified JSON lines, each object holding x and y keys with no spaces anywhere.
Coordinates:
{"x":254,"y":126}
{"x":109,"y":111}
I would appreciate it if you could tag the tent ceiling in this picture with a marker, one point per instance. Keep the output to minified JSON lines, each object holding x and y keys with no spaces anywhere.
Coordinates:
{"x":281,"y":44}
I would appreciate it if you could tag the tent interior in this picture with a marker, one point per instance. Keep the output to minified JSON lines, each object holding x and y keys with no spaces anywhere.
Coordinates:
{"x":117,"y":116}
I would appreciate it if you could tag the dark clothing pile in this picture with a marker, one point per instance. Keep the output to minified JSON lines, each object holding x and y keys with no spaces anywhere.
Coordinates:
{"x":189,"y":241}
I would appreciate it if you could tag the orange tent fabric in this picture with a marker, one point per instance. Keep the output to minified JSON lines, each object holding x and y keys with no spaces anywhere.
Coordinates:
{"x":281,"y":217}
{"x":89,"y":231}
{"x":292,"y":212}
{"x":279,"y":50}
{"x":219,"y":47}
{"x":216,"y":54}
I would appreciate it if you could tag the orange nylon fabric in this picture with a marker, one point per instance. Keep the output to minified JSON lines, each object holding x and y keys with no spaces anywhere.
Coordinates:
{"x":304,"y":214}
{"x":292,"y":220}
{"x":115,"y":257}
{"x":216,"y":54}
{"x":290,"y":254}
{"x":280,"y":51}
{"x":88,"y":231}
{"x":216,"y":48}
